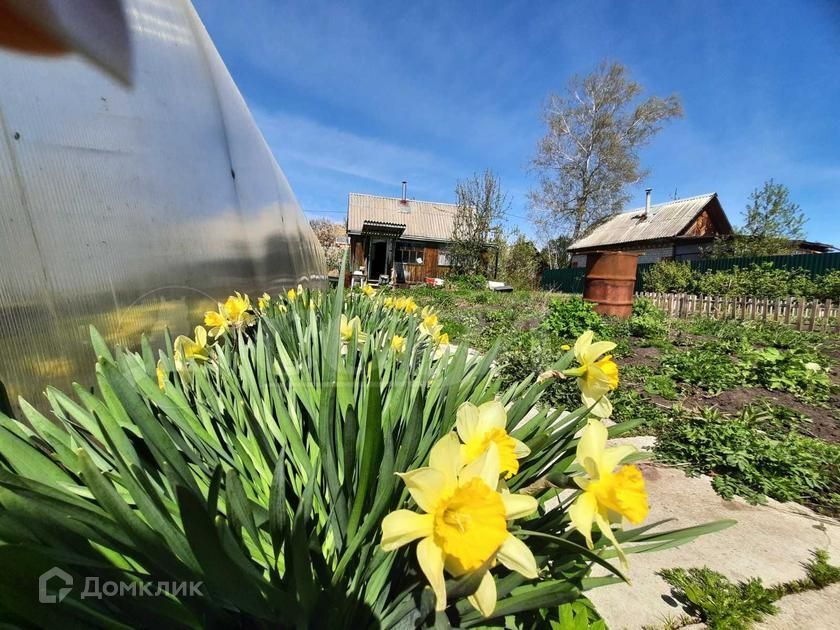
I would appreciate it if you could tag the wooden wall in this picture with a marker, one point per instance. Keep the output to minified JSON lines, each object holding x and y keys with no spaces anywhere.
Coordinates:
{"x":412,"y":272}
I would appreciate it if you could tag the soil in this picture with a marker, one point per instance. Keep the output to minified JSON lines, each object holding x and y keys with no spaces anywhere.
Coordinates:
{"x":643,"y":357}
{"x":824,"y":424}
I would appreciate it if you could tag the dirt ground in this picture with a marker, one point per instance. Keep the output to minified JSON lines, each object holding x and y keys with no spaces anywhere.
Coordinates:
{"x":824,"y":421}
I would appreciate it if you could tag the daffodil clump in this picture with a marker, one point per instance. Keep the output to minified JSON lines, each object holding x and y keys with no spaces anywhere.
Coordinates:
{"x":322,"y":459}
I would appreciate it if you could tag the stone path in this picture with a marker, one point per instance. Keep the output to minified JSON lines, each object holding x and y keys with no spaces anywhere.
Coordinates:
{"x":770,"y":541}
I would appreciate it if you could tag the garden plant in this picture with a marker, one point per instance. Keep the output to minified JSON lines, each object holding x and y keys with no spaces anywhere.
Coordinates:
{"x":322,"y":459}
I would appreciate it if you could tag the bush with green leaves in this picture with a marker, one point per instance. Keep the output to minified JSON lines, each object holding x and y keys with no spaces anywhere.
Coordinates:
{"x":668,"y":276}
{"x":466,"y":282}
{"x":647,"y":319}
{"x":261,"y":466}
{"x":756,"y":454}
{"x":792,"y":371}
{"x":568,"y":318}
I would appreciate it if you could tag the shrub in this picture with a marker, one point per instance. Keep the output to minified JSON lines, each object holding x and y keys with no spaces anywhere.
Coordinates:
{"x":647,"y":319}
{"x":705,"y":366}
{"x":466,"y":282}
{"x":570,"y":317}
{"x":668,"y":276}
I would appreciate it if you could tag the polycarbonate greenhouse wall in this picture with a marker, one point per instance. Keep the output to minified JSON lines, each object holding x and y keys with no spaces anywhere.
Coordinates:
{"x":571,"y":280}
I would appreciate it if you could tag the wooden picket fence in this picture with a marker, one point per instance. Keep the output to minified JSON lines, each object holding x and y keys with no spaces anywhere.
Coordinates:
{"x":820,"y":315}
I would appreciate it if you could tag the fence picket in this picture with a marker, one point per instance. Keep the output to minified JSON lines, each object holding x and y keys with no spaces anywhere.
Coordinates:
{"x":799,"y":313}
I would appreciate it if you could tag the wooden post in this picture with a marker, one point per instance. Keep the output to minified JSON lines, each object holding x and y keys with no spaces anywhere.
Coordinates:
{"x":788,"y":310}
{"x":801,"y":318}
{"x":826,"y":324}
{"x":777,"y":309}
{"x":815,"y":304}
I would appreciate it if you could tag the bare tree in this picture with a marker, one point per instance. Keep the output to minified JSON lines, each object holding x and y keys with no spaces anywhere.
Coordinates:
{"x":481,"y":208}
{"x":589,"y":153}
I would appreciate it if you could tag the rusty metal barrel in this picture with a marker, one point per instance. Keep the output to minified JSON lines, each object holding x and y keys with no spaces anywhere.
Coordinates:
{"x":610,"y":281}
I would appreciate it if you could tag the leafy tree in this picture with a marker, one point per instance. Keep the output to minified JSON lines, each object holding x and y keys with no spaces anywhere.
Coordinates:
{"x":590,"y":151}
{"x":523,"y":263}
{"x":773,"y":225}
{"x":481,"y":208}
{"x":326,"y":232}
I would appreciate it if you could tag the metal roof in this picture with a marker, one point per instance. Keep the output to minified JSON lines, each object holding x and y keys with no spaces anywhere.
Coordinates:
{"x":666,"y":220}
{"x":423,"y":220}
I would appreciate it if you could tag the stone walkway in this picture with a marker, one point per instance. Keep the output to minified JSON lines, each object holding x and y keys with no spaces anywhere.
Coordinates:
{"x":770,"y":541}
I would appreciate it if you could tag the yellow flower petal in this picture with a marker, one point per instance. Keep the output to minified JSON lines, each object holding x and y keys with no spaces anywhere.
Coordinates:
{"x":466,"y":422}
{"x":485,"y":468}
{"x":614,"y":455}
{"x":606,"y":530}
{"x":595,"y":350}
{"x":520,"y":449}
{"x":430,"y":558}
{"x":425,"y":486}
{"x":484,"y":598}
{"x":582,"y":344}
{"x":582,"y":514}
{"x":403,"y":526}
{"x":591,"y":447}
{"x":492,"y":415}
{"x":518,"y":505}
{"x":516,"y":556}
{"x":446,"y":458}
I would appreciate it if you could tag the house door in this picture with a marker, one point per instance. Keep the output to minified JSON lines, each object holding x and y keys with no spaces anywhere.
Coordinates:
{"x":378,"y":259}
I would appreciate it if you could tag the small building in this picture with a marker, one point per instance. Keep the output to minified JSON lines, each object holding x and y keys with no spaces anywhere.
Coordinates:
{"x":404,"y":239}
{"x":676,"y":230}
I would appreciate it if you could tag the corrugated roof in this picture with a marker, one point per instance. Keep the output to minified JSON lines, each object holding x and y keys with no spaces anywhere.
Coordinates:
{"x":666,"y":220}
{"x":423,"y":220}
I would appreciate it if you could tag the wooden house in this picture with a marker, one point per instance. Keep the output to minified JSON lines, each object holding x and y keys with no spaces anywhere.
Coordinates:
{"x":404,"y":239}
{"x":675,"y":230}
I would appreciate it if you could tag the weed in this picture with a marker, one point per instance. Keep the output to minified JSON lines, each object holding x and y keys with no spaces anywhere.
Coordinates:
{"x":757,"y":454}
{"x":722,"y":605}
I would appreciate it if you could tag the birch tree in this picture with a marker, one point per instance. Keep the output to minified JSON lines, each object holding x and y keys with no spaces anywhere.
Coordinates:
{"x":590,"y":151}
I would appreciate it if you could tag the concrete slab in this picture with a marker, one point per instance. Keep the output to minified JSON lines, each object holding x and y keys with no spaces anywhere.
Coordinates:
{"x":814,"y":610}
{"x":770,"y":541}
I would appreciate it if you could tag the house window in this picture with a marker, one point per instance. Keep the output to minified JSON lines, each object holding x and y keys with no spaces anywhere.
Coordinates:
{"x":409,"y":254}
{"x":443,"y":258}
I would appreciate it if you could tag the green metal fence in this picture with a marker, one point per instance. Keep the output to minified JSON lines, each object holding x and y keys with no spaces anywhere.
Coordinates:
{"x":570,"y":280}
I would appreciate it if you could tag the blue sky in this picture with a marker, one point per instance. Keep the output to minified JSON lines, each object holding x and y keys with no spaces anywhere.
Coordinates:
{"x":355,"y":97}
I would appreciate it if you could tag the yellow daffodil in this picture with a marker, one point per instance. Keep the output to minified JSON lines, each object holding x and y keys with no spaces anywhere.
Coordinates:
{"x":161,"y":376}
{"x":236,"y":309}
{"x":428,"y":325}
{"x":479,"y":427}
{"x":597,"y":374}
{"x":216,"y":322}
{"x":398,"y":344}
{"x":427,"y":311}
{"x":187,"y":349}
{"x":441,"y":344}
{"x":410,"y":306}
{"x":608,"y":494}
{"x":388,"y":302}
{"x":347,"y":328}
{"x":565,"y":347}
{"x":291,"y":294}
{"x":263,"y":301}
{"x":463,"y":523}
{"x":368,"y":290}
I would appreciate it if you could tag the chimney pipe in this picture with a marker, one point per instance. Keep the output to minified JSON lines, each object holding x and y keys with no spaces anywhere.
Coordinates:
{"x":647,"y":201}
{"x":404,"y":191}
